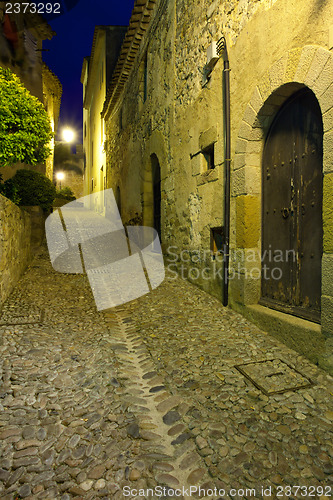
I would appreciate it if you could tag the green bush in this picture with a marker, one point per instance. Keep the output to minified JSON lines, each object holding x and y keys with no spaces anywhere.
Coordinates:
{"x":9,"y":190}
{"x":31,"y":188}
{"x":25,"y":129}
{"x":66,"y":194}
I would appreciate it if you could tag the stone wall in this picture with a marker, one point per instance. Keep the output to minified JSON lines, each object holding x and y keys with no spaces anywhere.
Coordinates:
{"x":73,"y":180}
{"x":15,"y":245}
{"x":274,"y":48}
{"x":139,"y":128}
{"x":52,"y":91}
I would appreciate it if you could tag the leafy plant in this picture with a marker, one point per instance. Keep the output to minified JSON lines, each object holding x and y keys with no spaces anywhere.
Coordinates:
{"x":25,"y":129}
{"x":30,"y":188}
{"x":66,"y":193}
{"x":9,"y":190}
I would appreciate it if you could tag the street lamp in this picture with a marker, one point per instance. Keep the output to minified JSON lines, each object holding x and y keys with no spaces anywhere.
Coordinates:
{"x":60,"y":177}
{"x":68,"y":135}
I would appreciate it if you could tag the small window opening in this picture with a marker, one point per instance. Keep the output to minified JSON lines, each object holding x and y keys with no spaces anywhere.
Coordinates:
{"x":209,"y":156}
{"x":216,"y":240}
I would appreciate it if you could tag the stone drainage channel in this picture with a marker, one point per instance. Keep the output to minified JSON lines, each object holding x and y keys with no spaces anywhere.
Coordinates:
{"x":174,"y":461}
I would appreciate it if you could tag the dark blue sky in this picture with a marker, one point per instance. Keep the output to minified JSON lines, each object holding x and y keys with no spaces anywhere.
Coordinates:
{"x":75,"y":29}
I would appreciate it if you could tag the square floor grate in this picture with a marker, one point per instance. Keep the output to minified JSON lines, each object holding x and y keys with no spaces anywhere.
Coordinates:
{"x":274,"y":376}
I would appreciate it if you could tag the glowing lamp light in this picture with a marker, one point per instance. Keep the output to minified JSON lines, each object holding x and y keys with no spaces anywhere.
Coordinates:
{"x":68,"y":135}
{"x":60,"y":176}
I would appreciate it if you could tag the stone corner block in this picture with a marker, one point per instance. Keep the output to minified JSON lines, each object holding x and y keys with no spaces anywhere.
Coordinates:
{"x":196,"y":164}
{"x":327,"y":274}
{"x":320,"y":58}
{"x":327,"y":316}
{"x":328,"y":213}
{"x":207,"y":138}
{"x":277,"y":73}
{"x":328,"y":152}
{"x":247,"y":221}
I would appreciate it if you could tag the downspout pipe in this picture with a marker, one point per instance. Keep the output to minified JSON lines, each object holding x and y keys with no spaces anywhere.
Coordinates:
{"x":222,"y":48}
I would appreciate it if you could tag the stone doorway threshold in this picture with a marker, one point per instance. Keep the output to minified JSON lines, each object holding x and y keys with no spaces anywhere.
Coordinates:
{"x":299,"y":334}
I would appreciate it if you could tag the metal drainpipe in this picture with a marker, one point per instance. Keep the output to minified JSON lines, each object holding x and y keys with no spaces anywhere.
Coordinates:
{"x":222,"y":48}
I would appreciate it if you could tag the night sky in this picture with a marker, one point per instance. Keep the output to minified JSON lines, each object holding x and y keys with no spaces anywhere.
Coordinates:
{"x":66,"y":50}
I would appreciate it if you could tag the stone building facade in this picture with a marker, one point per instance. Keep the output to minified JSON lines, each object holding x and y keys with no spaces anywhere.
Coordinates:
{"x":96,"y":76}
{"x":165,"y":116}
{"x":52,"y":91}
{"x":21,"y":42}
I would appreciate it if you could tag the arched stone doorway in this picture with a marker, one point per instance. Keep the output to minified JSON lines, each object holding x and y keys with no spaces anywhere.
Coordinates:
{"x":292,"y":190}
{"x":308,"y":67}
{"x":152,"y":194}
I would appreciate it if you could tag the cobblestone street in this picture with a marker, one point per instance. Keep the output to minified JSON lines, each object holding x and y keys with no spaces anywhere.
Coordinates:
{"x":108,"y":404}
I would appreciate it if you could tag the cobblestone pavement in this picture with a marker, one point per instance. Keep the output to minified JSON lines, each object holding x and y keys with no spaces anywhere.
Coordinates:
{"x":108,"y":404}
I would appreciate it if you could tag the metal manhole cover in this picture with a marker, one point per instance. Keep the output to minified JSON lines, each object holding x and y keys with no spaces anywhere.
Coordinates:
{"x":274,"y":376}
{"x":22,"y":317}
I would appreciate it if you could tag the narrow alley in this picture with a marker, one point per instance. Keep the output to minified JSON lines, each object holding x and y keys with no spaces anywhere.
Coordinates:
{"x":153,"y":394}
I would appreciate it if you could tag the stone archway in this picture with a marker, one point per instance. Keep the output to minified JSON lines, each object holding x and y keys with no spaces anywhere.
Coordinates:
{"x":312,"y":67}
{"x":153,"y":176}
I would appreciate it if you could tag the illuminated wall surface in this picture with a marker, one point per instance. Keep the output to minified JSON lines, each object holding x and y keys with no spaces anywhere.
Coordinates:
{"x":161,"y":109}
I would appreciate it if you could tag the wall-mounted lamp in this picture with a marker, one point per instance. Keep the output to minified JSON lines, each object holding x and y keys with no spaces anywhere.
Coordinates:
{"x":214,"y":52}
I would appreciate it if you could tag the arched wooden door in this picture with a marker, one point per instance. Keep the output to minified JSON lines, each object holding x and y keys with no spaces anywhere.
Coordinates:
{"x":292,"y":188}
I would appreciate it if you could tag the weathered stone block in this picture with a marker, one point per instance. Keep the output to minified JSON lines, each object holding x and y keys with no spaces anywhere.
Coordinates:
{"x":207,"y":138}
{"x":256,"y":100}
{"x":15,"y":245}
{"x":243,"y":289}
{"x":328,"y":152}
{"x":265,"y":87}
{"x":327,"y":315}
{"x":241,"y":146}
{"x":326,"y":99}
{"x":245,"y":180}
{"x":250,"y":133}
{"x":250,"y":116}
{"x":253,"y":159}
{"x":246,"y":260}
{"x":247,"y":221}
{"x":239,"y":161}
{"x":328,"y":119}
{"x":254,"y":147}
{"x":292,"y":63}
{"x":168,"y":184}
{"x":327,"y":274}
{"x":325,"y":359}
{"x":320,"y":59}
{"x":219,"y":152}
{"x":321,"y":84}
{"x":277,"y":73}
{"x":304,"y":62}
{"x":328,"y":213}
{"x":196,"y":163}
